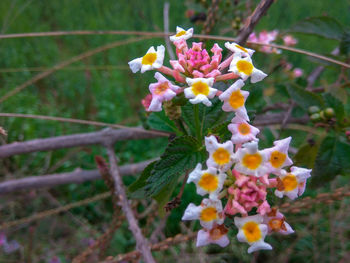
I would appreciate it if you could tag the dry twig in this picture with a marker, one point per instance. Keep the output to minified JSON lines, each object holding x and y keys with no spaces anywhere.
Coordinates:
{"x":141,"y":242}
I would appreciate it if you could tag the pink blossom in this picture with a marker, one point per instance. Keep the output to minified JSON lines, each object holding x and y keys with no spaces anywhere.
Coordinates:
{"x":289,"y":40}
{"x":161,"y":91}
{"x":297,"y":72}
{"x":265,"y":37}
{"x":146,"y":101}
{"x":246,"y":193}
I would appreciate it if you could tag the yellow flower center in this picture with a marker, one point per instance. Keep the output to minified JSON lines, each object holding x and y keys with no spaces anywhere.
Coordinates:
{"x":221,"y":156}
{"x":252,"y":231}
{"x":252,"y":161}
{"x":208,"y":214}
{"x":277,"y":159}
{"x":244,"y":128}
{"x":149,"y":58}
{"x":208,"y":182}
{"x":241,"y":48}
{"x":236,"y":99}
{"x":200,"y":88}
{"x":161,"y":88}
{"x":245,"y":67}
{"x":181,"y":33}
{"x":290,"y":182}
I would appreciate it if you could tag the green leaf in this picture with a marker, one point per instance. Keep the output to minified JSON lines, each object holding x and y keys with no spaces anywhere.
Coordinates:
{"x":182,"y":154}
{"x":159,"y":121}
{"x":306,"y":155}
{"x":137,"y":188}
{"x":333,"y":158}
{"x":304,"y":98}
{"x":323,"y":26}
{"x":221,"y":131}
{"x":336,"y":104}
{"x":209,"y":116}
{"x":345,"y":44}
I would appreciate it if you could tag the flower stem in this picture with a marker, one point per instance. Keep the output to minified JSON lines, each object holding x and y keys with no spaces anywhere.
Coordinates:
{"x":196,"y":122}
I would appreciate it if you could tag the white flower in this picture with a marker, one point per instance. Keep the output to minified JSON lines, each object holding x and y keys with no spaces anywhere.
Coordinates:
{"x":217,"y":235}
{"x":153,"y":59}
{"x":276,"y":222}
{"x":277,"y":156}
{"x":237,"y":49}
{"x":182,"y":34}
{"x":243,"y":67}
{"x":251,"y":161}
{"x":234,"y":99}
{"x":292,"y":184}
{"x":221,"y":155}
{"x":252,"y":231}
{"x":241,"y":131}
{"x":208,"y":213}
{"x":207,"y":181}
{"x":200,"y":90}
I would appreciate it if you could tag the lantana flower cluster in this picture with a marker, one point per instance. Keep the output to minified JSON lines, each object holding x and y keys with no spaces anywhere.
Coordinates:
{"x":235,"y":179}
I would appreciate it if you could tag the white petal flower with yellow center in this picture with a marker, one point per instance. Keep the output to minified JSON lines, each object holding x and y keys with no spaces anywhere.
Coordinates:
{"x":217,"y":235}
{"x":277,"y":156}
{"x":208,"y":213}
{"x":207,"y":181}
{"x":243,"y":67}
{"x":241,"y":131}
{"x":152,"y":60}
{"x":221,"y":155}
{"x":234,"y":99}
{"x":237,"y":49}
{"x":252,"y":231}
{"x":200,"y":90}
{"x":292,"y":184}
{"x":181,"y":34}
{"x":251,"y":161}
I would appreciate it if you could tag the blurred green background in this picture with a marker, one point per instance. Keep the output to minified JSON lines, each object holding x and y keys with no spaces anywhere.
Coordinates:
{"x":112,"y":94}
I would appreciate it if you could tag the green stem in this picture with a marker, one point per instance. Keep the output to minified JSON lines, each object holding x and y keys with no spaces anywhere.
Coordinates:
{"x":196,"y":122}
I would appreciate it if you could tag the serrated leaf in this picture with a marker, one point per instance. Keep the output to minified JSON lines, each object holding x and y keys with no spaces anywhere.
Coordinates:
{"x":323,"y":26}
{"x":208,"y":116}
{"x":304,"y":98}
{"x":344,"y":47}
{"x":221,"y":131}
{"x":182,"y":154}
{"x":137,"y":188}
{"x":336,"y":104}
{"x":159,"y":121}
{"x":306,"y":155}
{"x":328,"y":163}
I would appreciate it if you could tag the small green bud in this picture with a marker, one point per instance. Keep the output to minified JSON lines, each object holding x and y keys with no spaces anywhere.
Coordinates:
{"x":323,"y":117}
{"x":314,"y":109}
{"x":329,"y":112}
{"x":315,"y":117}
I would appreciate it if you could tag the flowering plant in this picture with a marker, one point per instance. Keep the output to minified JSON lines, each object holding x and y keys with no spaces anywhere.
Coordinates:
{"x":213,"y":129}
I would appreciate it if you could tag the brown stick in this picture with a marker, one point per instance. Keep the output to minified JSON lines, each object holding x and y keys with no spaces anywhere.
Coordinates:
{"x":103,"y":137}
{"x":76,"y":177}
{"x":252,"y":20}
{"x":141,"y":242}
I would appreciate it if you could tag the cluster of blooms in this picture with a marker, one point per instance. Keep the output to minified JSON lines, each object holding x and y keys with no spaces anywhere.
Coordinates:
{"x":236,"y":170}
{"x":8,"y":246}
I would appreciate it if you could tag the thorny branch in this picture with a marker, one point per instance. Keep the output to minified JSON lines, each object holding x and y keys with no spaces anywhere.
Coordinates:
{"x":252,"y":20}
{"x":141,"y":242}
{"x":103,"y":137}
{"x":76,"y":177}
